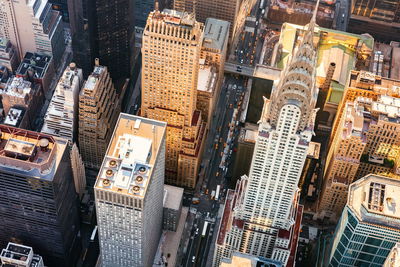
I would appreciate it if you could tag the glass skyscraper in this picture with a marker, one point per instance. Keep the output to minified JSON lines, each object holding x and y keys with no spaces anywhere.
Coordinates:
{"x":370,"y":224}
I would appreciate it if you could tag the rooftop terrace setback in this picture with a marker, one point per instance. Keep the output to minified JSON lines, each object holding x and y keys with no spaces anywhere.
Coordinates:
{"x":26,"y":150}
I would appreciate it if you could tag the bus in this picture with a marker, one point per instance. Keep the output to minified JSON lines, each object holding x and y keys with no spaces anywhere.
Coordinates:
{"x":203,"y":234}
{"x":217,"y":192}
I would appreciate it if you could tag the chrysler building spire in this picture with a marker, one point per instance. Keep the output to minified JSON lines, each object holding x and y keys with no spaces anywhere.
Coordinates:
{"x":297,"y":82}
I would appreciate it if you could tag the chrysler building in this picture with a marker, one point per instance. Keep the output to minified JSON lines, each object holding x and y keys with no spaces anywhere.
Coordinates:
{"x":262,"y":216}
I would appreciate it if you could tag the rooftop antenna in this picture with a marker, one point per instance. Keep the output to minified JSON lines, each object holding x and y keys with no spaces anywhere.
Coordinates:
{"x":156,"y":6}
{"x":314,"y":16}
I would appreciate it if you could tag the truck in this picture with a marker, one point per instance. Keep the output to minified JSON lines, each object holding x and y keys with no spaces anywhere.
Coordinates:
{"x":203,"y":234}
{"x":217,"y":192}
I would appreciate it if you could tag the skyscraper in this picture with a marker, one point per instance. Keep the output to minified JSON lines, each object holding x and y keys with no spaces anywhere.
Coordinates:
{"x":38,"y":203}
{"x":266,"y":214}
{"x":61,"y":118}
{"x":366,"y":139}
{"x":32,"y":26}
{"x":170,"y":60}
{"x":129,"y":192}
{"x":379,"y":18}
{"x":370,"y":224}
{"x":227,"y":10}
{"x":98,"y":112}
{"x":8,"y":56}
{"x":103,"y":30}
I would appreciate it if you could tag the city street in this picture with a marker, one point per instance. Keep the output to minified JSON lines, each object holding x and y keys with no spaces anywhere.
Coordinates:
{"x":213,"y":175}
{"x":250,"y":43}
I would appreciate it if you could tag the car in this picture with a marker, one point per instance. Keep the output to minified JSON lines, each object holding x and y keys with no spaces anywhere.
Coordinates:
{"x":193,"y":259}
{"x":197,"y":231}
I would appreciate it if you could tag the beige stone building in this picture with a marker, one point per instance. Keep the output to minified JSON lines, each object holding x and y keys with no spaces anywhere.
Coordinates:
{"x":99,"y":108}
{"x":367,"y":141}
{"x":207,"y":91}
{"x":170,"y":67}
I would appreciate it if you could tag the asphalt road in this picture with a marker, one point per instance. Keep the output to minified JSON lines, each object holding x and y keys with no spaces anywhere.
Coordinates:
{"x":250,"y":44}
{"x":207,"y":210}
{"x":342,"y":13}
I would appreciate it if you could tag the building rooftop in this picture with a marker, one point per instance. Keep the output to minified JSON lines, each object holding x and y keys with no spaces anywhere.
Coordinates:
{"x":216,"y":32}
{"x":39,"y":63}
{"x":16,"y":255}
{"x":174,"y":17}
{"x":245,"y":260}
{"x":14,"y":116}
{"x":172,"y":197}
{"x":17,"y":87}
{"x":374,"y":200}
{"x":131,"y":154}
{"x":93,"y":78}
{"x":387,"y":106}
{"x":207,"y":79}
{"x":30,"y":153}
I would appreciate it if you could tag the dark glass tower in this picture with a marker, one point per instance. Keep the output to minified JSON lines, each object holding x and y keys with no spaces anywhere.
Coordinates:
{"x":38,"y":203}
{"x":103,"y":29}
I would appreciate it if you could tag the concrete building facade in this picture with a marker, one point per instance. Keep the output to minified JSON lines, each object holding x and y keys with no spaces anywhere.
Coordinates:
{"x":25,"y":96}
{"x":170,"y":67}
{"x":39,"y":206}
{"x":8,"y":55}
{"x":172,"y":204}
{"x":99,"y":107}
{"x":370,"y":224}
{"x":129,"y":192}
{"x":61,"y":118}
{"x":32,"y":26}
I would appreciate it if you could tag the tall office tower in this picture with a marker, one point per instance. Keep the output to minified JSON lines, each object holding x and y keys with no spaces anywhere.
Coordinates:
{"x":364,"y":84}
{"x":129,"y":192}
{"x":16,"y":255}
{"x":266,"y":217}
{"x":366,"y":140}
{"x":61,"y":118}
{"x":379,"y":18}
{"x":8,"y":56}
{"x":393,"y":258}
{"x":170,"y":67}
{"x":98,"y":112}
{"x":32,"y":26}
{"x":227,"y":10}
{"x":370,"y":223}
{"x":38,"y":203}
{"x":105,"y":31}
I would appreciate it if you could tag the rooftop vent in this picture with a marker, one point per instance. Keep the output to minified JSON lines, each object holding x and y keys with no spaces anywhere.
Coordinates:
{"x":106,"y":182}
{"x":44,"y":144}
{"x":142,"y":170}
{"x":136,"y":189}
{"x":113,"y":163}
{"x":139,"y":179}
{"x":109,"y":173}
